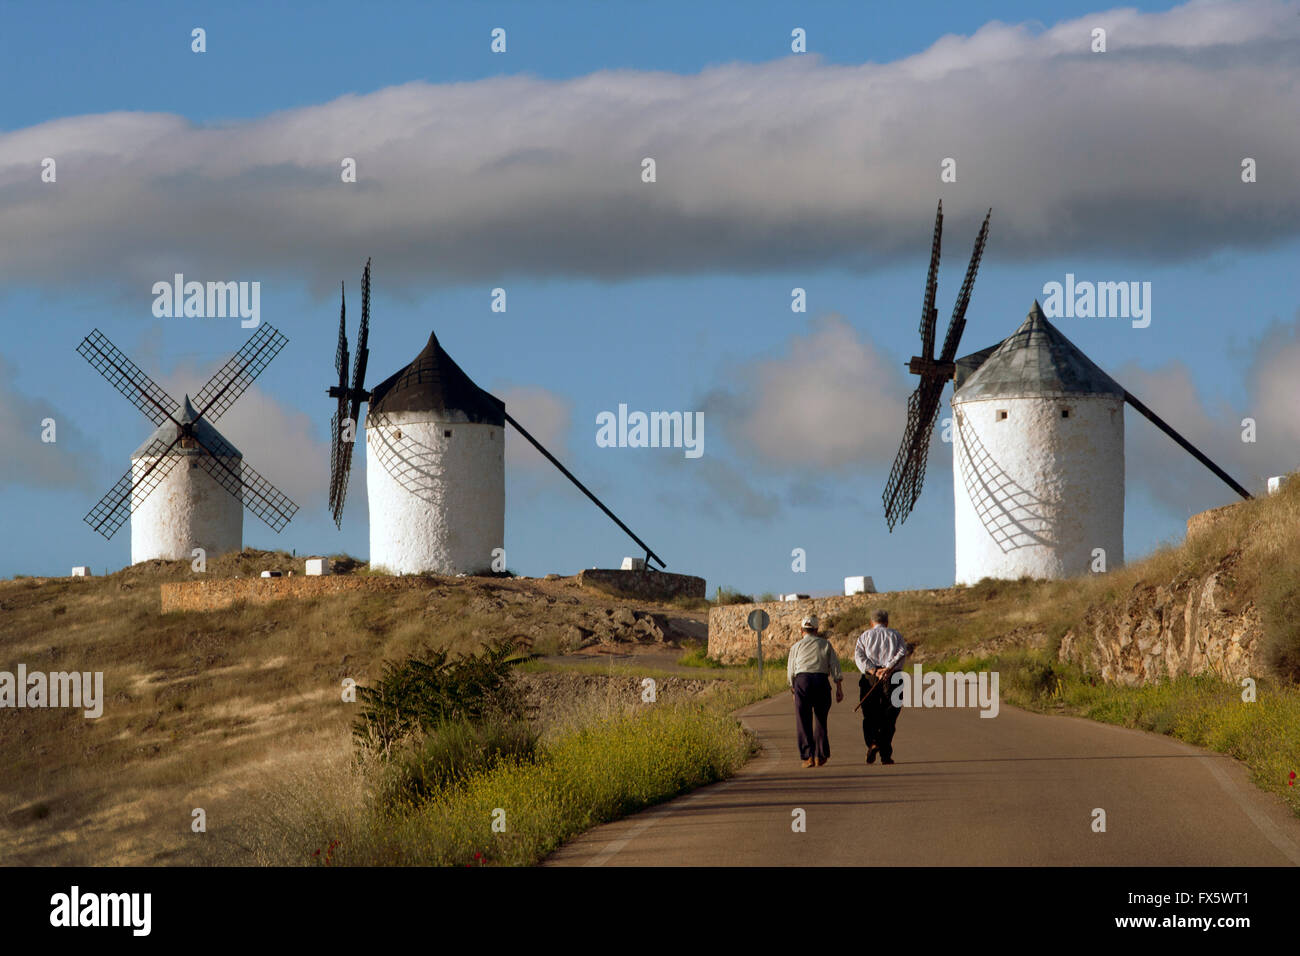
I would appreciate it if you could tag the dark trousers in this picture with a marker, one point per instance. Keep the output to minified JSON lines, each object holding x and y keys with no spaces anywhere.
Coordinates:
{"x":812,"y":699}
{"x":879,"y":715}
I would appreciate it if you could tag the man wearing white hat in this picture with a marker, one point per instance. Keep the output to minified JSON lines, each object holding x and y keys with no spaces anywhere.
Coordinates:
{"x":809,"y":670}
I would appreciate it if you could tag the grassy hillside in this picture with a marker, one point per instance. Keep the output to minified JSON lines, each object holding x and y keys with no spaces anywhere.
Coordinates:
{"x":202,"y":707}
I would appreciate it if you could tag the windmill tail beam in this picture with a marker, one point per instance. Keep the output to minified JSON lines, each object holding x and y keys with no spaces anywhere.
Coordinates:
{"x":583,"y":488}
{"x":1195,"y":452}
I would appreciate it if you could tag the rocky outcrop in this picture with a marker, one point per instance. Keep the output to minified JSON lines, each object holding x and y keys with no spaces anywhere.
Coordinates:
{"x":1158,"y":632}
{"x":1205,"y":520}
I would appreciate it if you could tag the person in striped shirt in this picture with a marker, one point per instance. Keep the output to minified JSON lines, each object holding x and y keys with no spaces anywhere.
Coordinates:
{"x":809,"y":670}
{"x":878,"y":653}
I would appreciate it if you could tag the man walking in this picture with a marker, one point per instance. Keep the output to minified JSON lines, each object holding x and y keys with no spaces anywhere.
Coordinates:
{"x":878,"y":653}
{"x":809,"y":670}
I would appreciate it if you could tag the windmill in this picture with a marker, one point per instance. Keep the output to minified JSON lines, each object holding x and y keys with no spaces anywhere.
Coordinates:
{"x":174,"y":509}
{"x":1038,"y":446}
{"x":435,"y":445}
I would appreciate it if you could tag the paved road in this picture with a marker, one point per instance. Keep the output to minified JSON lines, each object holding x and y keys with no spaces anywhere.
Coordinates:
{"x":1016,"y":789}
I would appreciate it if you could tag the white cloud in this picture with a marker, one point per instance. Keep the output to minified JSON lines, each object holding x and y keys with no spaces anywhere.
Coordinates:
{"x":67,"y":462}
{"x":548,"y":418}
{"x":1134,"y":151}
{"x":831,"y":400}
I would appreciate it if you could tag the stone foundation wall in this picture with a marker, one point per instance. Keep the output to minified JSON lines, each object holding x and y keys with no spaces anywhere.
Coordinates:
{"x":731,"y":640}
{"x":217,"y":593}
{"x":645,"y":585}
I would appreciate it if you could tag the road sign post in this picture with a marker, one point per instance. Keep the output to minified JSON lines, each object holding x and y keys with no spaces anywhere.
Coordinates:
{"x":758,"y":621}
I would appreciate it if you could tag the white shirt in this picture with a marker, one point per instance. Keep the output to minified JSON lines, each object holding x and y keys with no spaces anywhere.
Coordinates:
{"x":879,"y":647}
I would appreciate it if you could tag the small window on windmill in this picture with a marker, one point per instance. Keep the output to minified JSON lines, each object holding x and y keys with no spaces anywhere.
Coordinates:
{"x":397,"y":434}
{"x":189,"y":441}
{"x":1065,"y":413}
{"x":1002,"y":414}
{"x":446,"y":433}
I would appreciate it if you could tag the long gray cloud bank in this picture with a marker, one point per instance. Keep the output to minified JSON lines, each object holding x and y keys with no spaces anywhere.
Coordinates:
{"x":1135,"y":151}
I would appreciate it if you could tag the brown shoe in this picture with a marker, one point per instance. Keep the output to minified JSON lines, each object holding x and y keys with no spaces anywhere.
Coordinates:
{"x":821,"y":761}
{"x":809,"y":762}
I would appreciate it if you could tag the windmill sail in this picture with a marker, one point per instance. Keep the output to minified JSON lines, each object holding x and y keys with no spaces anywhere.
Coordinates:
{"x":907,"y":475}
{"x":180,"y":425}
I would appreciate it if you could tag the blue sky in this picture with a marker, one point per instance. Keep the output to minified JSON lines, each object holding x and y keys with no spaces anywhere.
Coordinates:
{"x":616,"y":299}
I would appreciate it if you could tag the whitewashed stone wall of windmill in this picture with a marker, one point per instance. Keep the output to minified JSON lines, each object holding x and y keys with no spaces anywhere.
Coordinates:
{"x":1036,"y":492}
{"x":437,"y":500}
{"x":188,"y":509}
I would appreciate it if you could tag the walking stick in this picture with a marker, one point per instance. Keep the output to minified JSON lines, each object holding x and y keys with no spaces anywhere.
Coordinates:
{"x":879,"y":681}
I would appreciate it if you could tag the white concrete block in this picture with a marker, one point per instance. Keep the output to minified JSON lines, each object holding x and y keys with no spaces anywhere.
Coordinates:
{"x":1275,"y":484}
{"x":270,"y":574}
{"x":316,"y":567}
{"x":794,"y":597}
{"x":80,"y":571}
{"x":859,"y":584}
{"x":633,"y":564}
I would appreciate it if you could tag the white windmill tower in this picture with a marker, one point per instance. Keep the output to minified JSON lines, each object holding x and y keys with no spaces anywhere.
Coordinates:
{"x":1038,"y":459}
{"x":187,"y":486}
{"x":1038,"y":446}
{"x":436,"y":469}
{"x":188,"y":508}
{"x":435,"y":455}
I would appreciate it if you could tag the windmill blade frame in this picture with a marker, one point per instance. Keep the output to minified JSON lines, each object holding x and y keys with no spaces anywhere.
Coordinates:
{"x":258,"y":495}
{"x":338,"y":480}
{"x":929,"y":314}
{"x":957,"y":324}
{"x":349,"y":407}
{"x":128,"y":492}
{"x":234,"y":378}
{"x":128,"y":378}
{"x":907,"y":474}
{"x":362,"y":355}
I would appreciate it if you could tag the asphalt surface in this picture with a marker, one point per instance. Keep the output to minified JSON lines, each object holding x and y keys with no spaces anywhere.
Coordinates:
{"x":1016,"y":789}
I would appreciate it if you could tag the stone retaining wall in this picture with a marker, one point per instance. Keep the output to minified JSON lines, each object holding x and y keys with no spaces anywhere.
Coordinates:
{"x":731,"y":640}
{"x":645,"y":585}
{"x":217,"y":593}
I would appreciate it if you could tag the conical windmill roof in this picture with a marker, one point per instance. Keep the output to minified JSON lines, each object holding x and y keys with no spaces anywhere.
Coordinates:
{"x":1036,"y":360}
{"x":167,"y":433}
{"x":435,"y":383}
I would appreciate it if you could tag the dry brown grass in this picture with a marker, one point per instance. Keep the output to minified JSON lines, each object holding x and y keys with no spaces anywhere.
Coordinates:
{"x":201,"y":708}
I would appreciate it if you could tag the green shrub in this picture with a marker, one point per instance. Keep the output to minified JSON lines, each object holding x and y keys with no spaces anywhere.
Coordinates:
{"x":849,"y":623}
{"x":730,"y":596}
{"x":429,"y":690}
